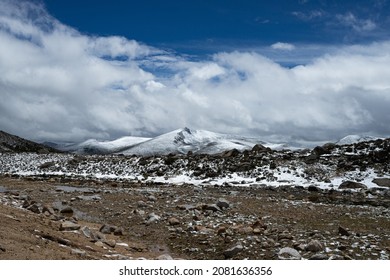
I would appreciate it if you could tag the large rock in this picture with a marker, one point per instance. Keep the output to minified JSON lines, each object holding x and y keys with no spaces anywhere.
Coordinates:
{"x":231,"y":153}
{"x":260,"y":148}
{"x":383,"y":182}
{"x":352,"y":185}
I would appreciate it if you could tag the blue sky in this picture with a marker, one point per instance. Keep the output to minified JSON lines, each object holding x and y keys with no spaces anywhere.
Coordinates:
{"x":217,"y":25}
{"x":280,"y":70}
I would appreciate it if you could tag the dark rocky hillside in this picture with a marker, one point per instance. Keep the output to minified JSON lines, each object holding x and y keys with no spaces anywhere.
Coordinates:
{"x":12,"y":143}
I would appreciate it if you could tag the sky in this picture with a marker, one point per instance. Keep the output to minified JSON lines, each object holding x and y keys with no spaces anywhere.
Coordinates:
{"x":279,"y":70}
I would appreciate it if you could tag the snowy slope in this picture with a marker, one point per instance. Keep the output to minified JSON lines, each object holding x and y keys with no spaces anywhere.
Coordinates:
{"x":196,"y":141}
{"x":353,"y":139}
{"x":93,"y":146}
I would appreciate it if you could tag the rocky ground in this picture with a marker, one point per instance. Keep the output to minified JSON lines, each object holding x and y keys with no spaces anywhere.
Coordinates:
{"x":89,"y":219}
{"x":331,"y":202}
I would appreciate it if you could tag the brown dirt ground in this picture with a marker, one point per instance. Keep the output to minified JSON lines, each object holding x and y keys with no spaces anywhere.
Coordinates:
{"x":300,"y":215}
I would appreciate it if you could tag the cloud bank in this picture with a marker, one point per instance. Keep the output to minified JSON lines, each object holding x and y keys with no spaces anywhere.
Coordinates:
{"x":59,"y":84}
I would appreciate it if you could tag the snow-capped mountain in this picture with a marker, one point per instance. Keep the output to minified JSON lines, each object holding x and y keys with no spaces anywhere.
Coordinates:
{"x":353,"y":139}
{"x":180,"y":141}
{"x":187,"y":140}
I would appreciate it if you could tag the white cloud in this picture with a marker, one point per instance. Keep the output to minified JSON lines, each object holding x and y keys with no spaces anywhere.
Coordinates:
{"x":357,"y":24}
{"x":283,"y":46}
{"x":56,"y":83}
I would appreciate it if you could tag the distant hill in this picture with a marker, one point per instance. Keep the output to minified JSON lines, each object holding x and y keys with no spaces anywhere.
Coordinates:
{"x":15,"y":144}
{"x":354,"y":139}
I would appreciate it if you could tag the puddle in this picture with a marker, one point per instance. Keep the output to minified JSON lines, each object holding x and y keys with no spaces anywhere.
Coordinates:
{"x":69,"y":189}
{"x":3,"y":189}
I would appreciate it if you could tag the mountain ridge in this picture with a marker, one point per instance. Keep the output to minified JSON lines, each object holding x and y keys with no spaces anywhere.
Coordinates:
{"x":13,"y":143}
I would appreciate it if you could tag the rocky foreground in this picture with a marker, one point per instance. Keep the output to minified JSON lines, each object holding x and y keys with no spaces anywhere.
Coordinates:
{"x":332,"y":202}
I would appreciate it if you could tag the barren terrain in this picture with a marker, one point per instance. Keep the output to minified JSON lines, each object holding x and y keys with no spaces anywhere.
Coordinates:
{"x":187,"y":222}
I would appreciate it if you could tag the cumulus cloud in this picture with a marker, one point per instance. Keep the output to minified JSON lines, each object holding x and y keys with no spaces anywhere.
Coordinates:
{"x":58,"y":84}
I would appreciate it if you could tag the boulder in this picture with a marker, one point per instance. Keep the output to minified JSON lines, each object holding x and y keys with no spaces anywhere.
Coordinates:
{"x":352,"y":185}
{"x":382,"y":182}
{"x":260,"y":148}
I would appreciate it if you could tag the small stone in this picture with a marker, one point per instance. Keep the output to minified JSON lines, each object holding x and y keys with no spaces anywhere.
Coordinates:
{"x":34,"y":208}
{"x":223,"y":203}
{"x":186,"y":207}
{"x":288,"y":253}
{"x":245,"y":230}
{"x":285,"y":235}
{"x":110,"y":242}
{"x":66,"y":210}
{"x":312,"y":188}
{"x":99,"y":244}
{"x":2,"y":248}
{"x":78,"y":252}
{"x":152,"y":218}
{"x":343,"y":231}
{"x":259,"y":224}
{"x":141,"y":204}
{"x":26,"y":203}
{"x":69,"y":226}
{"x":118,"y":231}
{"x":164,"y":257}
{"x":173,"y":221}
{"x":258,"y":230}
{"x":48,"y":209}
{"x":336,"y":257}
{"x":221,"y":230}
{"x":319,"y":257}
{"x":107,"y":229}
{"x":211,"y":207}
{"x":86,"y":231}
{"x":314,"y":246}
{"x":231,"y":252}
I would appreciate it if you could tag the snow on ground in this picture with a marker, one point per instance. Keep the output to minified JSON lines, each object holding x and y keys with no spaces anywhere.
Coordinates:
{"x":132,"y":169}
